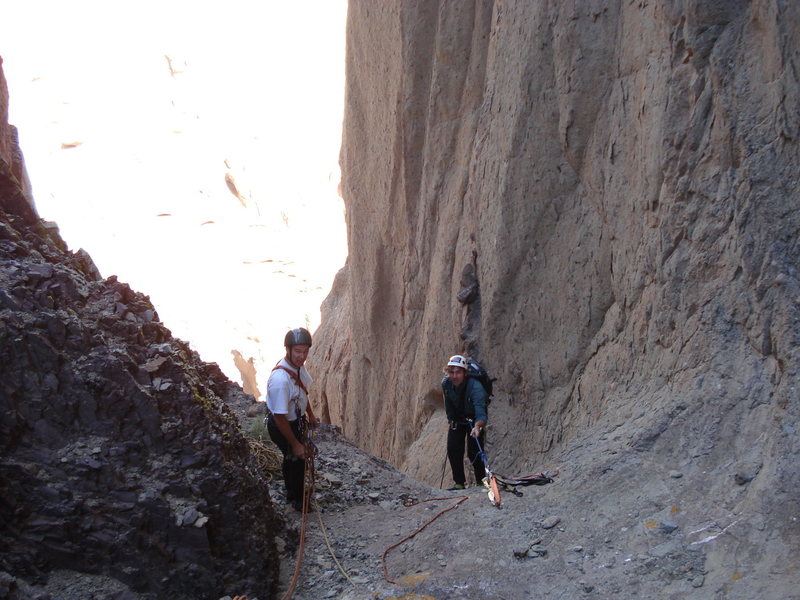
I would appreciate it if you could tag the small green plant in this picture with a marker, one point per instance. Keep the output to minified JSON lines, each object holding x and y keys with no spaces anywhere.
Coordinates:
{"x":257,"y":430}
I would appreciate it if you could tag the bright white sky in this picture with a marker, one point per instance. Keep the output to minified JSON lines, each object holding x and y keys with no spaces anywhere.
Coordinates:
{"x":256,"y":93}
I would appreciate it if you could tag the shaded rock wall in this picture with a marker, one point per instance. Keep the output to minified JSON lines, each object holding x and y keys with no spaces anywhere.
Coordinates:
{"x":620,"y":178}
{"x":118,"y":454}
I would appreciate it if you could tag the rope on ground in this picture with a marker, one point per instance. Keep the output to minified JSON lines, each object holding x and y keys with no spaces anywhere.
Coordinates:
{"x":330,"y":549}
{"x":408,"y":537}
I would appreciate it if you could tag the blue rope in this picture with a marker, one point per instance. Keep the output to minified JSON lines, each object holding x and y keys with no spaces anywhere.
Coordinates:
{"x":483,"y":456}
{"x":481,"y":453}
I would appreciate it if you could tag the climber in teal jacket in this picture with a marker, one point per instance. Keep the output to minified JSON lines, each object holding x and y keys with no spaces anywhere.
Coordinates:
{"x":465,"y":405}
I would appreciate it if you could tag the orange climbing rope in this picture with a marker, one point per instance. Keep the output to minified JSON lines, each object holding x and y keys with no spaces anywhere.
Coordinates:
{"x":408,"y":537}
{"x":308,"y":492}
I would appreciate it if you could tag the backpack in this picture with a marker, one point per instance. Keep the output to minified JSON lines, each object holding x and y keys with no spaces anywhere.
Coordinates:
{"x":479,"y":372}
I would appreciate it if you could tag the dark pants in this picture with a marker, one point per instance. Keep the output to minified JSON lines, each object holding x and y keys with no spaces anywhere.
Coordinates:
{"x":294,"y":469}
{"x":456,"y":436}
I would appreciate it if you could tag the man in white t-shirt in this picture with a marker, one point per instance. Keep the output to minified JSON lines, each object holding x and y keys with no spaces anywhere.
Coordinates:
{"x":290,"y":410}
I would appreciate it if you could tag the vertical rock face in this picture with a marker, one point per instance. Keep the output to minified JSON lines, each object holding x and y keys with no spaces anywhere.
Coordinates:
{"x":598,"y":201}
{"x":16,"y":187}
{"x":616,"y":183}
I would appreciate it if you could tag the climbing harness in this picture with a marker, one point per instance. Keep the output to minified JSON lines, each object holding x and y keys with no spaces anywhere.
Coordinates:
{"x":410,"y":502}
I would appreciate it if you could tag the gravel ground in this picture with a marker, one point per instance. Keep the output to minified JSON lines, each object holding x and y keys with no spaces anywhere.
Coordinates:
{"x":357,"y":542}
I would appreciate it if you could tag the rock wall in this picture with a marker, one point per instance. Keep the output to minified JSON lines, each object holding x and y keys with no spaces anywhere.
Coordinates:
{"x":16,"y":187}
{"x":597,"y":199}
{"x":121,"y":464}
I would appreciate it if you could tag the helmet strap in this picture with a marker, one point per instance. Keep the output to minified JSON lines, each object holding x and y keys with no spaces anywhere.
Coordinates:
{"x":289,"y":357}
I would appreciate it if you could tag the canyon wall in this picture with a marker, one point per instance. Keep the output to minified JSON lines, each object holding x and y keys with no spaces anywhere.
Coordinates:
{"x":620,"y":180}
{"x":14,"y":183}
{"x":599,"y":200}
{"x":123,"y":469}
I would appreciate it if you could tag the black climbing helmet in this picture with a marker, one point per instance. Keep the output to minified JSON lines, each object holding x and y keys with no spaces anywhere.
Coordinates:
{"x":299,"y":335}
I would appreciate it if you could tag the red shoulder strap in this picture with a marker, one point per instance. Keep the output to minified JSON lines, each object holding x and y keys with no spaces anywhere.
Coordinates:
{"x":294,"y":376}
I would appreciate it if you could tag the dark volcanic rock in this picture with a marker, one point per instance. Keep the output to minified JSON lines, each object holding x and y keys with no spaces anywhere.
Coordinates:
{"x":118,"y":455}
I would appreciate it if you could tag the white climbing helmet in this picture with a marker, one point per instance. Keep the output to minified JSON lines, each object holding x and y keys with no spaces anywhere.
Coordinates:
{"x":457,"y":361}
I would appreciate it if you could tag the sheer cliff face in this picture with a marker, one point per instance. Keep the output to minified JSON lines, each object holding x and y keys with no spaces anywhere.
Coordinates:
{"x":618,"y":178}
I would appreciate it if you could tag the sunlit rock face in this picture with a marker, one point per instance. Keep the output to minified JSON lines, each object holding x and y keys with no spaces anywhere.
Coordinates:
{"x":13,"y":177}
{"x":119,"y":455}
{"x":620,"y":181}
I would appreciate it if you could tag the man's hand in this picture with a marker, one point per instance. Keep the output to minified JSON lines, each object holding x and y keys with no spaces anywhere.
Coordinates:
{"x":311,"y":419}
{"x":299,"y":450}
{"x":476,"y":430}
{"x":282,"y":423}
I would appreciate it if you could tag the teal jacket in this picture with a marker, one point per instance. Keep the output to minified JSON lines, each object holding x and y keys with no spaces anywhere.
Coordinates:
{"x":468,"y":402}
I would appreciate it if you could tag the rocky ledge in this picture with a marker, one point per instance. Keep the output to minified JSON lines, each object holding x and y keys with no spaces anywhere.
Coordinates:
{"x":120,"y":462}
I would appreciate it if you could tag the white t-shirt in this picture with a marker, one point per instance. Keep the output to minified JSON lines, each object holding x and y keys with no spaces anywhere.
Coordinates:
{"x":284,"y":396}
